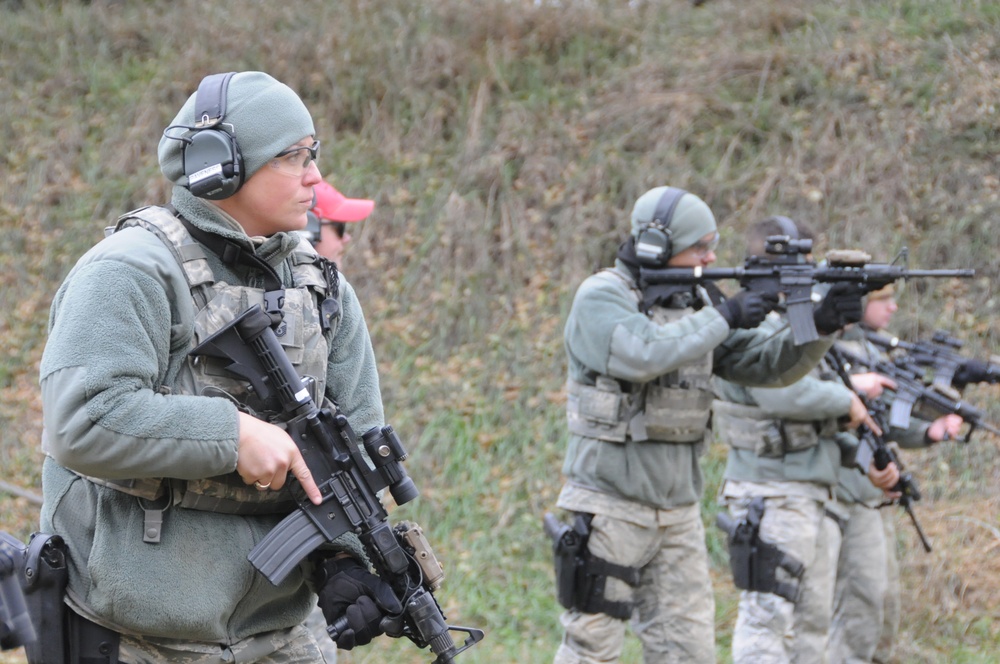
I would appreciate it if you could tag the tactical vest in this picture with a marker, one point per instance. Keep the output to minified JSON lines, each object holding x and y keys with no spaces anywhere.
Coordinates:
{"x":750,"y":428}
{"x":216,"y":304}
{"x":672,"y":408}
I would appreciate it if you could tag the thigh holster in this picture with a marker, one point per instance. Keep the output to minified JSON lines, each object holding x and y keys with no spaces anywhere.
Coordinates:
{"x":754,"y":561}
{"x":61,"y":636}
{"x":580,"y":577}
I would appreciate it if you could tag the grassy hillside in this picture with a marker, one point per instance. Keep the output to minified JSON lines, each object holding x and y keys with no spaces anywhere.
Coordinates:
{"x":504,"y":143}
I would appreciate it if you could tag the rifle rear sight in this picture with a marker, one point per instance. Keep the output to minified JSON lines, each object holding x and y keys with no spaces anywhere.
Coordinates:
{"x":786,"y":245}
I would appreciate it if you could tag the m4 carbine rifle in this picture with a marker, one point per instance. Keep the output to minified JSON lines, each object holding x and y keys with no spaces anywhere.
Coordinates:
{"x":349,"y":485}
{"x":911,"y":389}
{"x":940,"y":354}
{"x":786,"y":270}
{"x":873,"y":449}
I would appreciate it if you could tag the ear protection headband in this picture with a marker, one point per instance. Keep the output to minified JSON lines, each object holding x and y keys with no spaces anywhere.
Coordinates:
{"x":653,"y":246}
{"x":788,"y":226}
{"x":212,"y":160}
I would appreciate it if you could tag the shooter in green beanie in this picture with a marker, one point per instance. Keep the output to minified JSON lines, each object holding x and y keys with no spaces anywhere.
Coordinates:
{"x":158,"y":476}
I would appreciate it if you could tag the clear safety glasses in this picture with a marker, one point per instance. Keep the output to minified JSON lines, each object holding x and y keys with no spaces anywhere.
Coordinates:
{"x":295,"y":161}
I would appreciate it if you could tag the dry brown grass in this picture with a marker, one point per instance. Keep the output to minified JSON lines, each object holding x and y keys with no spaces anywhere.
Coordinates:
{"x":504,"y":143}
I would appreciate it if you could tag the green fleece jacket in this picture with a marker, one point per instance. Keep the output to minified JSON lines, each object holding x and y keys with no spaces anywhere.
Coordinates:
{"x":815,"y":399}
{"x":607,"y":334}
{"x":120,"y":325}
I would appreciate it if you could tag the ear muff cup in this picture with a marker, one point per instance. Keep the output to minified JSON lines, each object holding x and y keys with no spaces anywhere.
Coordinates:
{"x":211,"y":157}
{"x":653,"y":246}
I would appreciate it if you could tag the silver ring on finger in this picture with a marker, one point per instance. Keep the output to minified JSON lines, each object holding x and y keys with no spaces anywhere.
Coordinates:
{"x":261,"y":487}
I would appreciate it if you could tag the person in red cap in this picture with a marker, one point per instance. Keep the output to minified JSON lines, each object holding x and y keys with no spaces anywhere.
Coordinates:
{"x":332,"y":211}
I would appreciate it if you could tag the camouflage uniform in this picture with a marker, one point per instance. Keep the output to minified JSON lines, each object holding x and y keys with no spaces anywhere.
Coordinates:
{"x":866,"y":597}
{"x":316,"y":624}
{"x":287,"y":646}
{"x":784,"y":448}
{"x":638,"y":411}
{"x":175,"y":433}
{"x":861,"y":586}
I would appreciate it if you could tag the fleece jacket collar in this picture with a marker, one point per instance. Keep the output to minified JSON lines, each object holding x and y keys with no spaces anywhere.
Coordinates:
{"x":274,"y":249}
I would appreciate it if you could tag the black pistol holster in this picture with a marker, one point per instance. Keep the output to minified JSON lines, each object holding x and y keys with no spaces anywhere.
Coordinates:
{"x":580,"y":577}
{"x":63,"y":636}
{"x":755,"y":562}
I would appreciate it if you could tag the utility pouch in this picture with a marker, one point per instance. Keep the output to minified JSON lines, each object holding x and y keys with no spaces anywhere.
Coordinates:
{"x":598,"y":411}
{"x":755,"y":562}
{"x":580,"y":577}
{"x":771,"y":442}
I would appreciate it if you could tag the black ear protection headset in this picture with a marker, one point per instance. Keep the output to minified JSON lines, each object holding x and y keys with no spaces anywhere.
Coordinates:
{"x":788,"y":226}
{"x":653,"y":245}
{"x":212,"y":160}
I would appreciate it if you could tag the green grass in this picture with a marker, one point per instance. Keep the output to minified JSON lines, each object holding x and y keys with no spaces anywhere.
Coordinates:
{"x":504,"y":143}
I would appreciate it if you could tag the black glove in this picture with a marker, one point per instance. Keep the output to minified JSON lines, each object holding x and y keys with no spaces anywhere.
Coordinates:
{"x":352,"y":592}
{"x":747,"y":309}
{"x":841,"y":306}
{"x":974,"y":371}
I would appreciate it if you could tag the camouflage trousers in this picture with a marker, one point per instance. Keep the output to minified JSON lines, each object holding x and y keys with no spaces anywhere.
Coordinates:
{"x":288,"y":646}
{"x":316,"y":624}
{"x":769,"y":628}
{"x":674,"y":615}
{"x":866,"y":600}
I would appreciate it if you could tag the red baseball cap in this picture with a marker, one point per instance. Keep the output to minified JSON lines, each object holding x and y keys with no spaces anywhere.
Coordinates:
{"x":331,"y":205}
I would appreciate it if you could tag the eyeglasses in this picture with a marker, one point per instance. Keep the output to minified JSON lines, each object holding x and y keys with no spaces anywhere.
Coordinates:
{"x":337,"y":227}
{"x":295,"y":161}
{"x":704,"y":247}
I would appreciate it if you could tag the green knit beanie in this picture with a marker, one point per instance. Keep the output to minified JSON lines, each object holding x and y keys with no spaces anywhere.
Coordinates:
{"x":263,"y":114}
{"x":691,"y":221}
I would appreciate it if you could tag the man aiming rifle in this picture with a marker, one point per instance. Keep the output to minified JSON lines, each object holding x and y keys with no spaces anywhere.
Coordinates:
{"x":940,"y":355}
{"x":786,"y":270}
{"x":867,"y":596}
{"x":911,"y":390}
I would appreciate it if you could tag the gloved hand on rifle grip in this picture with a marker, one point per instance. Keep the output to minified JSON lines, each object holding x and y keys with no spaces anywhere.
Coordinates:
{"x":350,"y":591}
{"x":841,"y":306}
{"x":973,"y":371}
{"x":747,"y":309}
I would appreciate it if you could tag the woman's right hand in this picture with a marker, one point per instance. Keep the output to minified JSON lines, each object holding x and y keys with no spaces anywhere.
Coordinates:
{"x":267,"y":454}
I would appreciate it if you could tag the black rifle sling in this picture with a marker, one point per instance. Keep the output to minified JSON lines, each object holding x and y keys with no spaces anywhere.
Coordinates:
{"x":235,"y":255}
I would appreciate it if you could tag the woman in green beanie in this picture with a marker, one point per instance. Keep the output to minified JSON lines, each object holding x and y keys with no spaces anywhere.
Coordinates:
{"x":157,"y":475}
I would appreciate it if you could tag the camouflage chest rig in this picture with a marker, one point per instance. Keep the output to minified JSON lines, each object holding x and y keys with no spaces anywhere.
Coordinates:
{"x":673,"y":408}
{"x":311,"y":314}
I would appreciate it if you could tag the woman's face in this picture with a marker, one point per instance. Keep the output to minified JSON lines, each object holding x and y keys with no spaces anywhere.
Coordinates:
{"x":277,"y":197}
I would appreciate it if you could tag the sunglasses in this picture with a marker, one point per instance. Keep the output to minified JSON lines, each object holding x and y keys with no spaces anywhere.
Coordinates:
{"x":337,"y":227}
